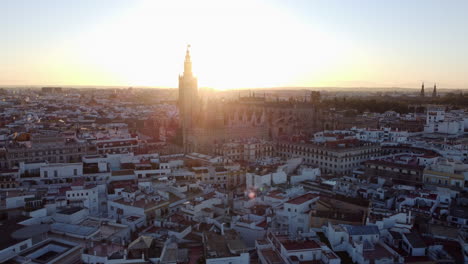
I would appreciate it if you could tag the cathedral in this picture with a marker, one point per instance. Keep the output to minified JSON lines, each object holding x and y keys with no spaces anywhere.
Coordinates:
{"x":204,"y":124}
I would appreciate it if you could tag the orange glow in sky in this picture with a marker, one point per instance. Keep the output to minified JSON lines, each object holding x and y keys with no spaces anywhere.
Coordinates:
{"x":232,"y":46}
{"x":235,"y":44}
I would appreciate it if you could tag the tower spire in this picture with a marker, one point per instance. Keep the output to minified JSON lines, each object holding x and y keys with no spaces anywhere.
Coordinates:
{"x":188,"y":62}
{"x":434,"y":92}
{"x":422,"y":90}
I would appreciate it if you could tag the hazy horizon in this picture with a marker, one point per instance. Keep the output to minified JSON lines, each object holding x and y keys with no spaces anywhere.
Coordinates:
{"x":412,"y":89}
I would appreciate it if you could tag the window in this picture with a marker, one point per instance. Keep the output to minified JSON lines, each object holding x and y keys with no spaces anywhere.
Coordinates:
{"x":46,"y":174}
{"x":75,"y":172}
{"x":55,"y":173}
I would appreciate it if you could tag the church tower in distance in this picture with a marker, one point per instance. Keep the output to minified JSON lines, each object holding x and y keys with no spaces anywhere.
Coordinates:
{"x":188,"y":99}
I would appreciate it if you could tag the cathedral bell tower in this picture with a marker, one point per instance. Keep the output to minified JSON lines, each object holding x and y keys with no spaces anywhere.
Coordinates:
{"x":422,"y":90}
{"x":188,"y":101}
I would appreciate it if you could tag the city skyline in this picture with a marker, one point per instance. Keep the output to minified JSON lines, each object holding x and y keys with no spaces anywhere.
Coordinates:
{"x":233,"y":132}
{"x":235,"y":45}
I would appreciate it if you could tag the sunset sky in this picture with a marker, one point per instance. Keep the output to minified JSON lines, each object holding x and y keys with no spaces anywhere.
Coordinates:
{"x":235,"y":44}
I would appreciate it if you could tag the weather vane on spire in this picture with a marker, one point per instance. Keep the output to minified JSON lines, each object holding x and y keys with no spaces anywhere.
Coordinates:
{"x":187,"y":53}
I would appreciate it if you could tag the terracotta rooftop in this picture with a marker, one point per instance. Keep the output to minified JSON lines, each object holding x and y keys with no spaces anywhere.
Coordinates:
{"x":271,"y":256}
{"x":300,"y":245}
{"x":303,"y":198}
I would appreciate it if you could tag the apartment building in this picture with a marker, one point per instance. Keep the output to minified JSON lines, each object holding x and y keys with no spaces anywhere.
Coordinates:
{"x":338,"y":157}
{"x":246,"y":151}
{"x":57,"y":150}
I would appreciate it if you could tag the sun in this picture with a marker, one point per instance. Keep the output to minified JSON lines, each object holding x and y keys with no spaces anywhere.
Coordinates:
{"x":233,"y":46}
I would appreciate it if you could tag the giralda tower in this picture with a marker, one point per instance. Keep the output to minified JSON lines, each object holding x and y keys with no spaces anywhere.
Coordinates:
{"x":188,"y":100}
